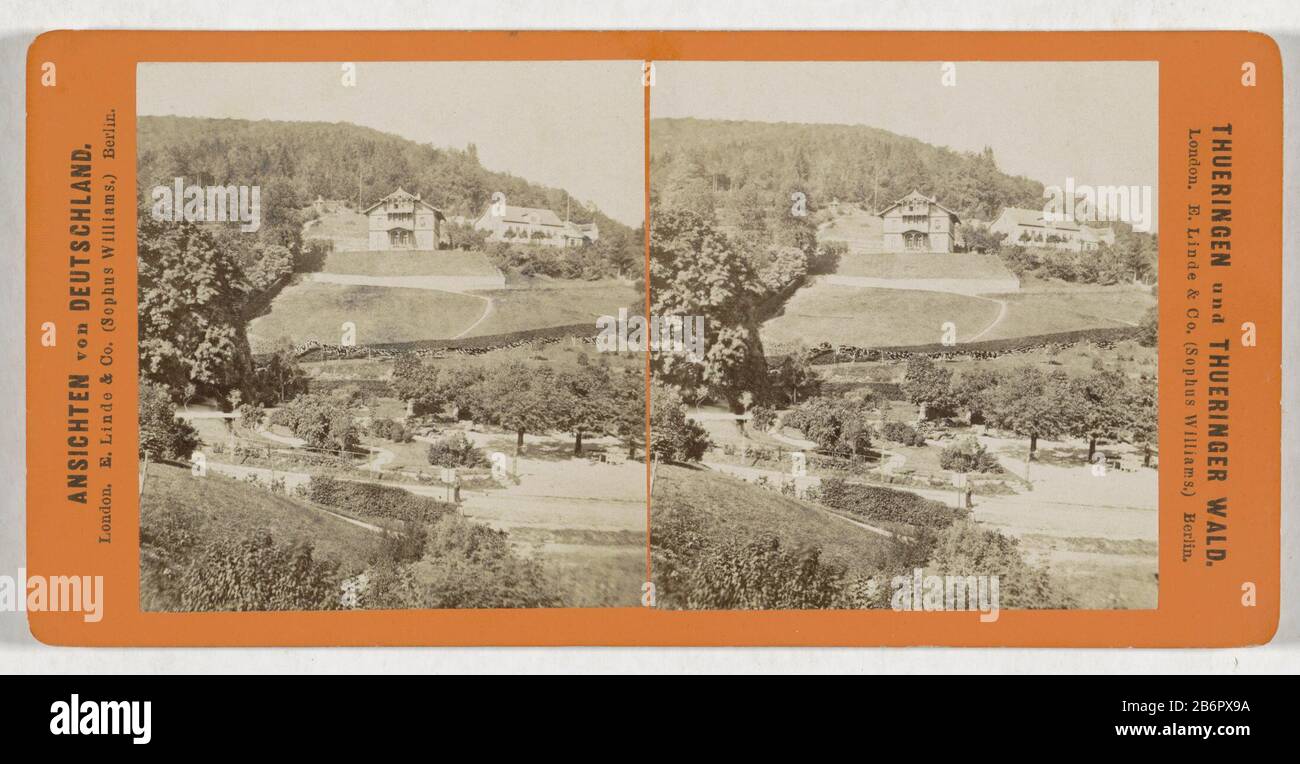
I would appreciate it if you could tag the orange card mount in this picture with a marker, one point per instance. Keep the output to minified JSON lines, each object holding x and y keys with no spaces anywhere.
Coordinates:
{"x":653,"y":338}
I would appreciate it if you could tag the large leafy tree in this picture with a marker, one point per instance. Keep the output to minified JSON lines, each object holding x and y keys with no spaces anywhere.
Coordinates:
{"x":928,"y":386}
{"x":520,"y":397}
{"x":1033,"y":404}
{"x":696,"y":270}
{"x":191,"y":295}
{"x":1101,"y":406}
{"x":584,"y":401}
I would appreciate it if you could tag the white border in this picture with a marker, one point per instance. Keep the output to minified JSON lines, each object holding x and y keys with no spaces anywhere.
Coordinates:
{"x":19,"y":24}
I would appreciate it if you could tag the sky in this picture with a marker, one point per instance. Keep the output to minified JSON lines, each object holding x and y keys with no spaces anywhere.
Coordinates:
{"x":576,"y":125}
{"x":1094,"y":121}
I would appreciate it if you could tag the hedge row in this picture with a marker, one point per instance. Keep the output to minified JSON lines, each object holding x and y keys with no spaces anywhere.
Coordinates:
{"x":375,"y":500}
{"x":886,"y":504}
{"x":825,"y":353}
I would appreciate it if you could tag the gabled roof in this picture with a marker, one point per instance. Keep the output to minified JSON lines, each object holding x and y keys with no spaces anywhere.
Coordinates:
{"x":402,"y":195}
{"x":1035,"y":219}
{"x":527,"y":216}
{"x":917,"y":196}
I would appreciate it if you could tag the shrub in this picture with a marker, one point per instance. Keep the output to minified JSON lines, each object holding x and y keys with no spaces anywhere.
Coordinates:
{"x":322,"y":421}
{"x":697,"y":571}
{"x":966,"y":549}
{"x":466,"y":565}
{"x":181,"y":571}
{"x":372,"y":500}
{"x":163,"y":435}
{"x":391,"y":429}
{"x":761,"y":418}
{"x":455,"y":450}
{"x":967,"y":454}
{"x":901,"y":432}
{"x":256,"y":573}
{"x":874,"y":503}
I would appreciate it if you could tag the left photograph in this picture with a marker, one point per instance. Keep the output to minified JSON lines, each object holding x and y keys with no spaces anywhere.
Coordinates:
{"x":372,"y":298}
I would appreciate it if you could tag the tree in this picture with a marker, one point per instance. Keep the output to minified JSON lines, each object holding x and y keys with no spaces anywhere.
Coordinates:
{"x":1143,"y":407}
{"x":163,"y":435}
{"x":695,"y":270}
{"x":966,"y":454}
{"x":794,"y":378}
{"x":928,"y":386}
{"x":980,"y":239}
{"x":628,"y":407}
{"x":1149,"y":327}
{"x":280,"y":379}
{"x":1032,"y":404}
{"x":322,"y":421}
{"x":417,"y":385}
{"x":1101,"y":406}
{"x":520,"y":397}
{"x":838,"y":425}
{"x":191,"y":297}
{"x":970,"y":391}
{"x":584,"y":402}
{"x":674,"y":437}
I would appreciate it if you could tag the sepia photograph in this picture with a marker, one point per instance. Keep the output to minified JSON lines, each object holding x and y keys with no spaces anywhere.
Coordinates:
{"x":370,"y":296}
{"x":924,"y":376}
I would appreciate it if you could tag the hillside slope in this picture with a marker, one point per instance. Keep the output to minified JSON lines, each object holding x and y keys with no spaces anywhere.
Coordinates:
{"x":740,"y":510}
{"x":733,"y":165}
{"x":295,"y":162}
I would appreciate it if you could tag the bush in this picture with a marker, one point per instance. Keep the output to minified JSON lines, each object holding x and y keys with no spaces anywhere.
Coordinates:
{"x":761,"y":418}
{"x":163,"y":435}
{"x":966,"y":549}
{"x":465,"y":565}
{"x":901,"y":432}
{"x":322,"y":421}
{"x":391,"y":429}
{"x":966,"y":454}
{"x":698,"y":571}
{"x":373,"y":500}
{"x":455,"y":450}
{"x":874,"y":503}
{"x":181,"y":571}
{"x":256,"y":573}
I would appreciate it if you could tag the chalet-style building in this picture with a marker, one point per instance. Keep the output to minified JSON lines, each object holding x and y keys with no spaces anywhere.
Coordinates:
{"x":402,"y":220}
{"x":918,"y":223}
{"x":1031,"y":228}
{"x":532,"y":225}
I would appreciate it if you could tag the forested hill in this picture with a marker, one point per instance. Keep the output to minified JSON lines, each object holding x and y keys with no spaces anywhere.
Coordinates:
{"x":709,"y":165}
{"x":294,"y":162}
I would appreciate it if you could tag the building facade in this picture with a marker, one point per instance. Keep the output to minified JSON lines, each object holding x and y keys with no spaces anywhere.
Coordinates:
{"x":402,"y":221}
{"x":918,"y":223}
{"x":1031,"y":228}
{"x":533,"y":225}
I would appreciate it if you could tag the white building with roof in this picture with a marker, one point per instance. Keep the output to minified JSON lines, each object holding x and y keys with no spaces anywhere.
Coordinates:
{"x":1032,"y":228}
{"x":534,"y":225}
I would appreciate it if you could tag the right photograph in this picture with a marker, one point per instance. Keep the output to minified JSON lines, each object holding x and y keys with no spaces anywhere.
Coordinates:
{"x":904,"y":330}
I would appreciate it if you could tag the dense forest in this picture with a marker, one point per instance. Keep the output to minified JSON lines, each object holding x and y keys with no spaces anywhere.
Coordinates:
{"x":294,"y":162}
{"x":729,"y":168}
